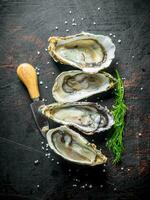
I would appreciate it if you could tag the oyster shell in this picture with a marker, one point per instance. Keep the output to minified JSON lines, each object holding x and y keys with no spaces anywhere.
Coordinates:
{"x":88,"y":52}
{"x":75,"y":85}
{"x":73,"y":147}
{"x":86,"y":116}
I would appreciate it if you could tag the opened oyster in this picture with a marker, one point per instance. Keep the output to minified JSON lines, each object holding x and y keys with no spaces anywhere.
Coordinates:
{"x":75,"y":85}
{"x":88,"y":52}
{"x":86,"y":116}
{"x":73,"y":147}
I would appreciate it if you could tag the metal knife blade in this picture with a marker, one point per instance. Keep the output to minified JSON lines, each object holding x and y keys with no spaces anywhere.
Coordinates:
{"x":41,"y":122}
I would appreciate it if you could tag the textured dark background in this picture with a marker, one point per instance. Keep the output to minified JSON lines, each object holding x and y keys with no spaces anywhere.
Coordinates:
{"x":25,"y":26}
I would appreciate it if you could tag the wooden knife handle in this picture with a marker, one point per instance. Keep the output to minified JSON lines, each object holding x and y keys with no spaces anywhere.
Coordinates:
{"x":28,"y":76}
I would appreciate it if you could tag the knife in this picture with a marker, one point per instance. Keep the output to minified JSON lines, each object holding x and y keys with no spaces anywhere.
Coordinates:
{"x":28,"y":76}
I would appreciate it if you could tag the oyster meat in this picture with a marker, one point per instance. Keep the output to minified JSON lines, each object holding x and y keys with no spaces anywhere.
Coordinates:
{"x":86,"y":116}
{"x":73,"y":147}
{"x":88,"y":52}
{"x":75,"y":85}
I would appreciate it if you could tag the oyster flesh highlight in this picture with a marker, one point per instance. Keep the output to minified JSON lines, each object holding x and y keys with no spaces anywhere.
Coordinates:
{"x":88,"y":52}
{"x":73,"y":147}
{"x":88,"y":117}
{"x":75,"y":85}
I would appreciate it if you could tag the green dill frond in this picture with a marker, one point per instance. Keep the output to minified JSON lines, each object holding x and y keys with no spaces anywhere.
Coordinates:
{"x":115,"y":141}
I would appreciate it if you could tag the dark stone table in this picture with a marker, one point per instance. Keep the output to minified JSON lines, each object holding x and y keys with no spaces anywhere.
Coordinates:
{"x":25,"y":26}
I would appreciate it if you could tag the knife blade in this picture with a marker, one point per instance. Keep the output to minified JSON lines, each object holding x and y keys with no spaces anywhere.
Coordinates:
{"x":28,"y":76}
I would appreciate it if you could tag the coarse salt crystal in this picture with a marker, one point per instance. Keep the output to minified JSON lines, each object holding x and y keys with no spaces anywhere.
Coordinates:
{"x":36,"y":161}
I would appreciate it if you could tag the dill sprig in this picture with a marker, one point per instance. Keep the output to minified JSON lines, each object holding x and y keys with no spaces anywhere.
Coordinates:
{"x":115,"y":141}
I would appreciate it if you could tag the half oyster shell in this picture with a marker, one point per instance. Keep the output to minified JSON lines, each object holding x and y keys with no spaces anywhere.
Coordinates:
{"x":75,"y":85}
{"x":86,"y":116}
{"x":88,"y":52}
{"x":73,"y":147}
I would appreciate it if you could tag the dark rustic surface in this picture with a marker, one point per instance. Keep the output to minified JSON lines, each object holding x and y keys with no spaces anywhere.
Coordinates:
{"x":25,"y":26}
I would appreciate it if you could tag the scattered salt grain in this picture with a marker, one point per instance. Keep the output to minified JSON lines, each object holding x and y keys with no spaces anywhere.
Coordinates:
{"x":41,"y":82}
{"x":94,"y":23}
{"x":122,"y":168}
{"x":42,"y":142}
{"x":132,"y":56}
{"x":53,"y":73}
{"x":101,"y":186}
{"x":67,"y":30}
{"x":114,"y":36}
{"x":57,"y":163}
{"x":98,"y":8}
{"x":82,"y":18}
{"x":46,"y":87}
{"x":47,"y":145}
{"x":115,"y":189}
{"x":110,"y":34}
{"x":117,"y":63}
{"x":38,"y":186}
{"x":42,"y":148}
{"x":56,"y":27}
{"x":104,"y":170}
{"x":36,"y":162}
{"x":74,"y":185}
{"x":73,"y":20}
{"x":38,"y":73}
{"x":52,"y":159}
{"x":66,"y":22}
{"x":47,"y":62}
{"x":90,"y":186}
{"x":74,"y":24}
{"x":38,"y":52}
{"x":140,"y":134}
{"x":45,"y":49}
{"x":70,"y":12}
{"x":119,"y":41}
{"x":141,"y":88}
